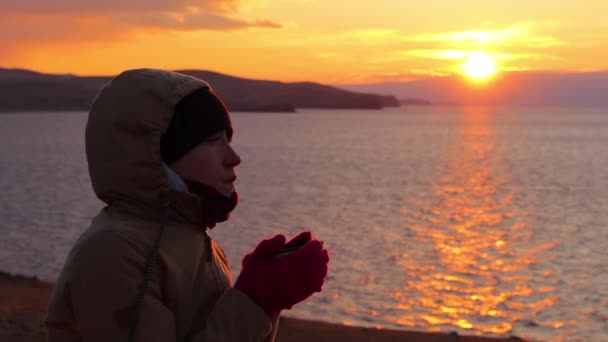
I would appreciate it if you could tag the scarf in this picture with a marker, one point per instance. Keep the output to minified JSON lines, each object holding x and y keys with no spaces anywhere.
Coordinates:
{"x":215,"y":207}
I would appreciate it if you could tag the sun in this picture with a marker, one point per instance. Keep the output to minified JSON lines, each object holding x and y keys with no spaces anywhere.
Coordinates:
{"x":479,"y":66}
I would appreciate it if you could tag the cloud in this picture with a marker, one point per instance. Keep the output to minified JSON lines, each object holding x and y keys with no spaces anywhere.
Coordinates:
{"x":24,"y":22}
{"x":503,"y":58}
{"x":193,"y":21}
{"x":443,"y":53}
{"x":27,"y":29}
{"x":517,"y":42}
{"x":332,"y":56}
{"x":24,"y":35}
{"x":518,"y":35}
{"x":414,"y":74}
{"x":114,"y":6}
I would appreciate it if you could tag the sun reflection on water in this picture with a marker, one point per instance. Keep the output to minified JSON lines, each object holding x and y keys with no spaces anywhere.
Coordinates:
{"x":468,"y":265}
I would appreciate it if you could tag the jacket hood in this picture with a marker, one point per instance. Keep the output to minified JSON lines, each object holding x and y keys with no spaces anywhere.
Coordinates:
{"x":125,"y":123}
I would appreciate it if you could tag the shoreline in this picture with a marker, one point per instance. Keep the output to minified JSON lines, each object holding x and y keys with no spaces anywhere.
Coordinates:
{"x":23,"y":302}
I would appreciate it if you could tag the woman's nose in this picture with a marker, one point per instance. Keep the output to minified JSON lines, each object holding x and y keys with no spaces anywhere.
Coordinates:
{"x":233,"y":158}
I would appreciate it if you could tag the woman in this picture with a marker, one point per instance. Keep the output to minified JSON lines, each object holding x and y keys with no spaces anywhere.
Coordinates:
{"x":159,"y":155}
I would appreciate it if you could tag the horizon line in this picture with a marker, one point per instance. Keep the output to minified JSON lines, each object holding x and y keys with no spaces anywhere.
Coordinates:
{"x":421,"y":78}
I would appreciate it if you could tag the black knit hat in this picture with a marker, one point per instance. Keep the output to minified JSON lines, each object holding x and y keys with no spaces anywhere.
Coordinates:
{"x":196,"y":117}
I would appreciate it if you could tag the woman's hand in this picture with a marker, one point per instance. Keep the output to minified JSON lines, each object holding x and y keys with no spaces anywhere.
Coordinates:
{"x":279,"y":283}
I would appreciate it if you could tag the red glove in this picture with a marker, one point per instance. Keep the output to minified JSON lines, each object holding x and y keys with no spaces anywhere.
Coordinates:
{"x":300,"y":239}
{"x":280,"y":283}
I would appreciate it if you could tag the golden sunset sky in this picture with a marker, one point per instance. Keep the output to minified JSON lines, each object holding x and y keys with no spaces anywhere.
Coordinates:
{"x":328,"y":41}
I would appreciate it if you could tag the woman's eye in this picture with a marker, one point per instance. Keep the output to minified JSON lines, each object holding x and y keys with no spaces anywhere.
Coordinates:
{"x":217,"y":138}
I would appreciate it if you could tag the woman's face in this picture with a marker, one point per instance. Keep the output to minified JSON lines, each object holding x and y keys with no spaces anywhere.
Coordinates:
{"x":211,"y":162}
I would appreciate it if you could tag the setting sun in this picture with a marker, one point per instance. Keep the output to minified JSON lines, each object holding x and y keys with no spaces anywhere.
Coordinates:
{"x":479,"y":66}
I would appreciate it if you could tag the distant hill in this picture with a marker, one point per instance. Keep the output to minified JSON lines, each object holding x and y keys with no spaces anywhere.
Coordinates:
{"x":24,"y":90}
{"x":415,"y":102}
{"x":514,"y":89}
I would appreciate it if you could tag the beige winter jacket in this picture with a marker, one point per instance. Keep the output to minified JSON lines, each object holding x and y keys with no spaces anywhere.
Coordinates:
{"x":189,"y":296}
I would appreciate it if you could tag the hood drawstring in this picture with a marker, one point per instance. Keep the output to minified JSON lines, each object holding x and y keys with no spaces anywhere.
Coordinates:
{"x":148,"y":273}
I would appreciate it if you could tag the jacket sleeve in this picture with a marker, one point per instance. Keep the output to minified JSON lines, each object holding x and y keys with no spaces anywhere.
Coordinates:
{"x":235,"y":317}
{"x":234,"y":313}
{"x":102,"y":291}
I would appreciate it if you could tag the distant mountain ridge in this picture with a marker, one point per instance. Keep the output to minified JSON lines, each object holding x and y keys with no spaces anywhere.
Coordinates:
{"x":25,"y":90}
{"x":515,"y":89}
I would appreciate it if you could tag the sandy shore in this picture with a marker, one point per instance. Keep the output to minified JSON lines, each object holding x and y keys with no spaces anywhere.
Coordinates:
{"x":23,"y":303}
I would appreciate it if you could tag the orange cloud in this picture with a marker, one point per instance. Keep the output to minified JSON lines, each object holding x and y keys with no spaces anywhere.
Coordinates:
{"x":400,"y":76}
{"x":46,"y":21}
{"x":35,"y":28}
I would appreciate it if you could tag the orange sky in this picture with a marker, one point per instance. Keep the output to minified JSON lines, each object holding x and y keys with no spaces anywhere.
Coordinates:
{"x":328,"y":41}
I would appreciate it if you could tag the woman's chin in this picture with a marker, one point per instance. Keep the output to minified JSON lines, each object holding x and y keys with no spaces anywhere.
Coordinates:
{"x":227,"y":191}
